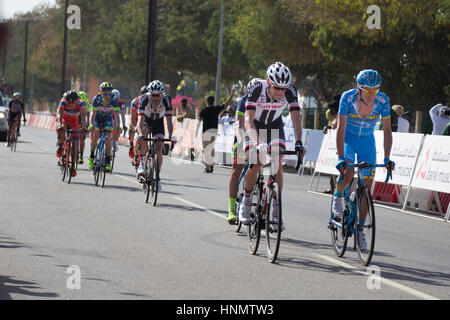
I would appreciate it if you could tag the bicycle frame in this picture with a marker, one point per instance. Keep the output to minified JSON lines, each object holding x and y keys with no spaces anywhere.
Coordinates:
{"x":350,"y":204}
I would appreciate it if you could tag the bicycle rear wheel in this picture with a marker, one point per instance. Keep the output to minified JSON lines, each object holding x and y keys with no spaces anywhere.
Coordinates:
{"x":366,"y":227}
{"x":256,"y":221}
{"x":113,"y":158}
{"x":236,"y":210}
{"x":103,"y":167}
{"x":64,"y":164}
{"x":148,"y":177}
{"x":70,"y":164}
{"x":274,"y":222}
{"x":97,"y":168}
{"x":339,"y":236}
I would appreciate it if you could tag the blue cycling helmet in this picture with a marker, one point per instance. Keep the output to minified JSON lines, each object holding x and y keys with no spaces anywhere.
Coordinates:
{"x":368,"y":78}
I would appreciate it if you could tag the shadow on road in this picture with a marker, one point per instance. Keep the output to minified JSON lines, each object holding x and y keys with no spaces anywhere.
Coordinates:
{"x":400,"y":272}
{"x":9,"y":285}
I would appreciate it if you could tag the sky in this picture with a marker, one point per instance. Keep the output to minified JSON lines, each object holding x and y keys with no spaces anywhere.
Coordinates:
{"x":9,"y":7}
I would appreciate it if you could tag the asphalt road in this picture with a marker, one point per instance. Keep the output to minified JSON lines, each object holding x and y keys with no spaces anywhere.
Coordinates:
{"x":78,"y":241}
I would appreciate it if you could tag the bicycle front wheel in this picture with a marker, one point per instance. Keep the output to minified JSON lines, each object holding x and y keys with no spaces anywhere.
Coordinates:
{"x":274,"y":222}
{"x":155,"y":180}
{"x":256,"y":221}
{"x":97,"y":167}
{"x":103,"y":167}
{"x":71,"y":162}
{"x":339,"y":237}
{"x":365,"y":228}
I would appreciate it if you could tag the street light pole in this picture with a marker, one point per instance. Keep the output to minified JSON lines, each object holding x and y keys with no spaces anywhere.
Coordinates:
{"x":151,"y":41}
{"x":63,"y":73}
{"x":219,"y":59}
{"x":24,"y":84}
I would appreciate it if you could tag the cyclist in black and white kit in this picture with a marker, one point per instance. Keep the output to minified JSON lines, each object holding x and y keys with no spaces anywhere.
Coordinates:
{"x":264,"y":126}
{"x":154,"y":106}
{"x":16,"y":108}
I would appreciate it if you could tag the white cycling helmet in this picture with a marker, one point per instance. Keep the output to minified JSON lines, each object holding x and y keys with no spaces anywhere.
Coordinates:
{"x":116,"y":93}
{"x":279,"y":75}
{"x":252,"y":83}
{"x":156,"y":87}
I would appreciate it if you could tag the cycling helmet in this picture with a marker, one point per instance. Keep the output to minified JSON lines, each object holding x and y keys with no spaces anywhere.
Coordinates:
{"x":17,"y":95}
{"x":156,"y":87}
{"x":71,"y":96}
{"x":368,"y":78}
{"x":106,"y":86}
{"x":144,"y":90}
{"x":252,"y":83}
{"x":83,"y":95}
{"x":116,"y":93}
{"x":279,"y":75}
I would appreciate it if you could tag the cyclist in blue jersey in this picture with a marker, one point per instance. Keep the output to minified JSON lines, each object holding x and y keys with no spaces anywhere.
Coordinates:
{"x":238,"y":154}
{"x":103,"y":107}
{"x":359,"y":110}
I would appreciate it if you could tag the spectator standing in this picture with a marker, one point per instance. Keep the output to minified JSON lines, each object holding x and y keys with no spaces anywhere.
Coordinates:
{"x":209,"y":116}
{"x":186,"y":111}
{"x":440,"y":115}
{"x":411,"y":126}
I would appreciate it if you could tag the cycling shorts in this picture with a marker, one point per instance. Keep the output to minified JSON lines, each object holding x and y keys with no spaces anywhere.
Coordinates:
{"x":365,"y":150}
{"x":156,"y":128}
{"x":272,"y":135}
{"x":72,"y":123}
{"x":13,"y":117}
{"x":105,"y":121}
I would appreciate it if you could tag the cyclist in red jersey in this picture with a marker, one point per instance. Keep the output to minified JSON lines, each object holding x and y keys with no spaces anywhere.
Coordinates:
{"x":69,"y":111}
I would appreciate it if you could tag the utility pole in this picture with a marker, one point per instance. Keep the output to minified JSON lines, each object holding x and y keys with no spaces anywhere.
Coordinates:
{"x":4,"y":61}
{"x":24,"y":84}
{"x":63,"y":73}
{"x":150,"y":73}
{"x":85,"y":70}
{"x":219,"y":59}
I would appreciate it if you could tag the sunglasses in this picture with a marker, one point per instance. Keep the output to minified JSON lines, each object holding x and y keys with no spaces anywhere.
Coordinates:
{"x":107,"y":94}
{"x":279,"y":89}
{"x":156,"y":95}
{"x":369,"y":91}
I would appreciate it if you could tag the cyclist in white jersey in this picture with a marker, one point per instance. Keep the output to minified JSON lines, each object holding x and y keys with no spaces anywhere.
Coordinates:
{"x":154,"y":106}
{"x":264,"y":126}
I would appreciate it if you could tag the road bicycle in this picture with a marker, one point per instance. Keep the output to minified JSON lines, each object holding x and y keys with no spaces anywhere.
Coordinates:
{"x":67,"y":162}
{"x":266,"y":211}
{"x":100,"y":160}
{"x":357,"y":203}
{"x":150,"y":178}
{"x":14,"y":135}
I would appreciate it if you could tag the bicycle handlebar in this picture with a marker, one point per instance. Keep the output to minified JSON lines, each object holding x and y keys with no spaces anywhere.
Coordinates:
{"x":364,"y":164}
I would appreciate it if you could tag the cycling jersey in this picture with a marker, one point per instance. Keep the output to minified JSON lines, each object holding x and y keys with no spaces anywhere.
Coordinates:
{"x":241,"y":105}
{"x":153,"y":113}
{"x":15,"y":107}
{"x":97,"y":105}
{"x":356,"y":125}
{"x":122,"y":106}
{"x":135,"y":107}
{"x":268,"y":110}
{"x":88,"y":105}
{"x":72,"y":110}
